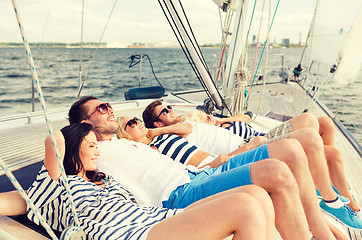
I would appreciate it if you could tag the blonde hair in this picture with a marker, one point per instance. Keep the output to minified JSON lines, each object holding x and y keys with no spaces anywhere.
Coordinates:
{"x":194,"y":116}
{"x":121,"y":133}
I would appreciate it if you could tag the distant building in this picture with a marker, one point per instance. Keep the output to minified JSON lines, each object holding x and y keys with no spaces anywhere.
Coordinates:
{"x":137,"y":45}
{"x":285,"y":41}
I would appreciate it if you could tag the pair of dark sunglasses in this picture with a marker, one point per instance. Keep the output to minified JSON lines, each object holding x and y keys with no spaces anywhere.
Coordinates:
{"x":132,"y":123}
{"x":102,"y":108}
{"x":164,"y":111}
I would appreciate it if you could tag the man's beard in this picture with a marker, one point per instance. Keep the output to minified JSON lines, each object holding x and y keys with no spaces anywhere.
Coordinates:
{"x":106,"y":130}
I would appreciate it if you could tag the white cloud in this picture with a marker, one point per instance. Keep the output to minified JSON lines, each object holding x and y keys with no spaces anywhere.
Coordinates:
{"x":142,"y":21}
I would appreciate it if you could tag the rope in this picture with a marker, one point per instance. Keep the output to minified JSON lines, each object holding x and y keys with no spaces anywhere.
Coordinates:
{"x":257,"y":40}
{"x":42,"y":34}
{"x":99,"y":43}
{"x":310,"y":48}
{"x":81,"y":45}
{"x":139,"y":57}
{"x":251,"y":21}
{"x":41,"y":98}
{"x":266,"y":64}
{"x":37,"y":55}
{"x":241,"y":77}
{"x":318,"y":91}
{"x":339,"y":102}
{"x":261,"y":56}
{"x":224,"y":36}
{"x":27,"y":199}
{"x":182,"y":45}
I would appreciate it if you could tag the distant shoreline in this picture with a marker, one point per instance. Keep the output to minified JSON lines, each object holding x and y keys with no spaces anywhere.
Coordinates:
{"x":105,"y":45}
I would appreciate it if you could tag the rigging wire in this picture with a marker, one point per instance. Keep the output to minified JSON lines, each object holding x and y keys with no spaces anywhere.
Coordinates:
{"x":37,"y":55}
{"x":43,"y":32}
{"x":225,"y":32}
{"x":182,"y":43}
{"x":310,"y":46}
{"x":45,"y":111}
{"x":251,"y":21}
{"x":261,"y":56}
{"x":339,"y":102}
{"x":297,"y":70}
{"x":184,"y":48}
{"x":99,"y":43}
{"x":81,"y":45}
{"x":257,"y":40}
{"x":197,"y":46}
{"x":266,"y":64}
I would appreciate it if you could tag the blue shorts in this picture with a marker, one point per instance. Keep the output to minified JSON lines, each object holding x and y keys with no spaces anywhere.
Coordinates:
{"x":234,"y":173}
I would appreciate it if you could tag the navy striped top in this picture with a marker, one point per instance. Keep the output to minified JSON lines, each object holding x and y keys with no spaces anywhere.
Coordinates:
{"x":175,"y":147}
{"x":104,"y":213}
{"x":243,"y":130}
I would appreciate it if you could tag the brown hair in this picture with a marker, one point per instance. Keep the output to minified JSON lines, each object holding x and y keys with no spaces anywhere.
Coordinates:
{"x":149,"y":115}
{"x":77,"y":113}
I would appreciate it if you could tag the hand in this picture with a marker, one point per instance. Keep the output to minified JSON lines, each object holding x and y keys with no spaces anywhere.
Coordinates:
{"x":151,"y":134}
{"x":218,"y":121}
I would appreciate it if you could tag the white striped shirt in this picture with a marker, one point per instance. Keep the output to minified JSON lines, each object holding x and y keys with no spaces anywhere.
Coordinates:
{"x":175,"y":147}
{"x":104,"y":213}
{"x":243,"y":130}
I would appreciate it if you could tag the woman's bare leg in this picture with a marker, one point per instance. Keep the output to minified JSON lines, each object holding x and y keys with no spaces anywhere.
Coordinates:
{"x":326,"y":130}
{"x":338,"y":175}
{"x":236,"y":213}
{"x":11,"y":203}
{"x":260,"y":195}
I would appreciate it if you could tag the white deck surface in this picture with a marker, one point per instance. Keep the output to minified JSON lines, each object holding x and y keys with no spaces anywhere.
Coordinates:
{"x":23,"y":145}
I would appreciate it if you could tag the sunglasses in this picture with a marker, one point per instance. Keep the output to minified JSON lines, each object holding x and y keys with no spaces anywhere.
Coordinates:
{"x":132,"y":123}
{"x":164,"y":111}
{"x":102,"y":108}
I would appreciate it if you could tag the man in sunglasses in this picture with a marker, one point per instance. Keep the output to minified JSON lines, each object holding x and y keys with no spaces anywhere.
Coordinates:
{"x":216,"y":140}
{"x":157,"y":180}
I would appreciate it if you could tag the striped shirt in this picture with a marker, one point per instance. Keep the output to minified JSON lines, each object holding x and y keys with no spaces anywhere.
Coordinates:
{"x":243,"y":130}
{"x":175,"y":147}
{"x":104,"y":213}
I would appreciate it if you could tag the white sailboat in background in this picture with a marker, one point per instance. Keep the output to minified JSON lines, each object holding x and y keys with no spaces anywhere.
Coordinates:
{"x":332,"y":41}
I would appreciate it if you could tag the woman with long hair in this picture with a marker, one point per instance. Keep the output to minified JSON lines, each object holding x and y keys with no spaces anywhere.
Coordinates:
{"x":108,"y":211}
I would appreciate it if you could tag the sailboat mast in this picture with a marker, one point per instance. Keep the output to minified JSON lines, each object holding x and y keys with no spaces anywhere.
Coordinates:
{"x":236,"y":50}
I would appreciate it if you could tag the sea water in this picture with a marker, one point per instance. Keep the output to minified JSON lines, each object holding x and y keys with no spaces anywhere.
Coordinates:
{"x":108,"y":76}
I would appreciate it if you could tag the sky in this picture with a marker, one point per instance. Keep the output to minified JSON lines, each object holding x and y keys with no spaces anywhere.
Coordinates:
{"x":139,"y":21}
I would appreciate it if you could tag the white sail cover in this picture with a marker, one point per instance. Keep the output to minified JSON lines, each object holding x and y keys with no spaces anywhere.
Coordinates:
{"x":333,"y":23}
{"x":350,"y":55}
